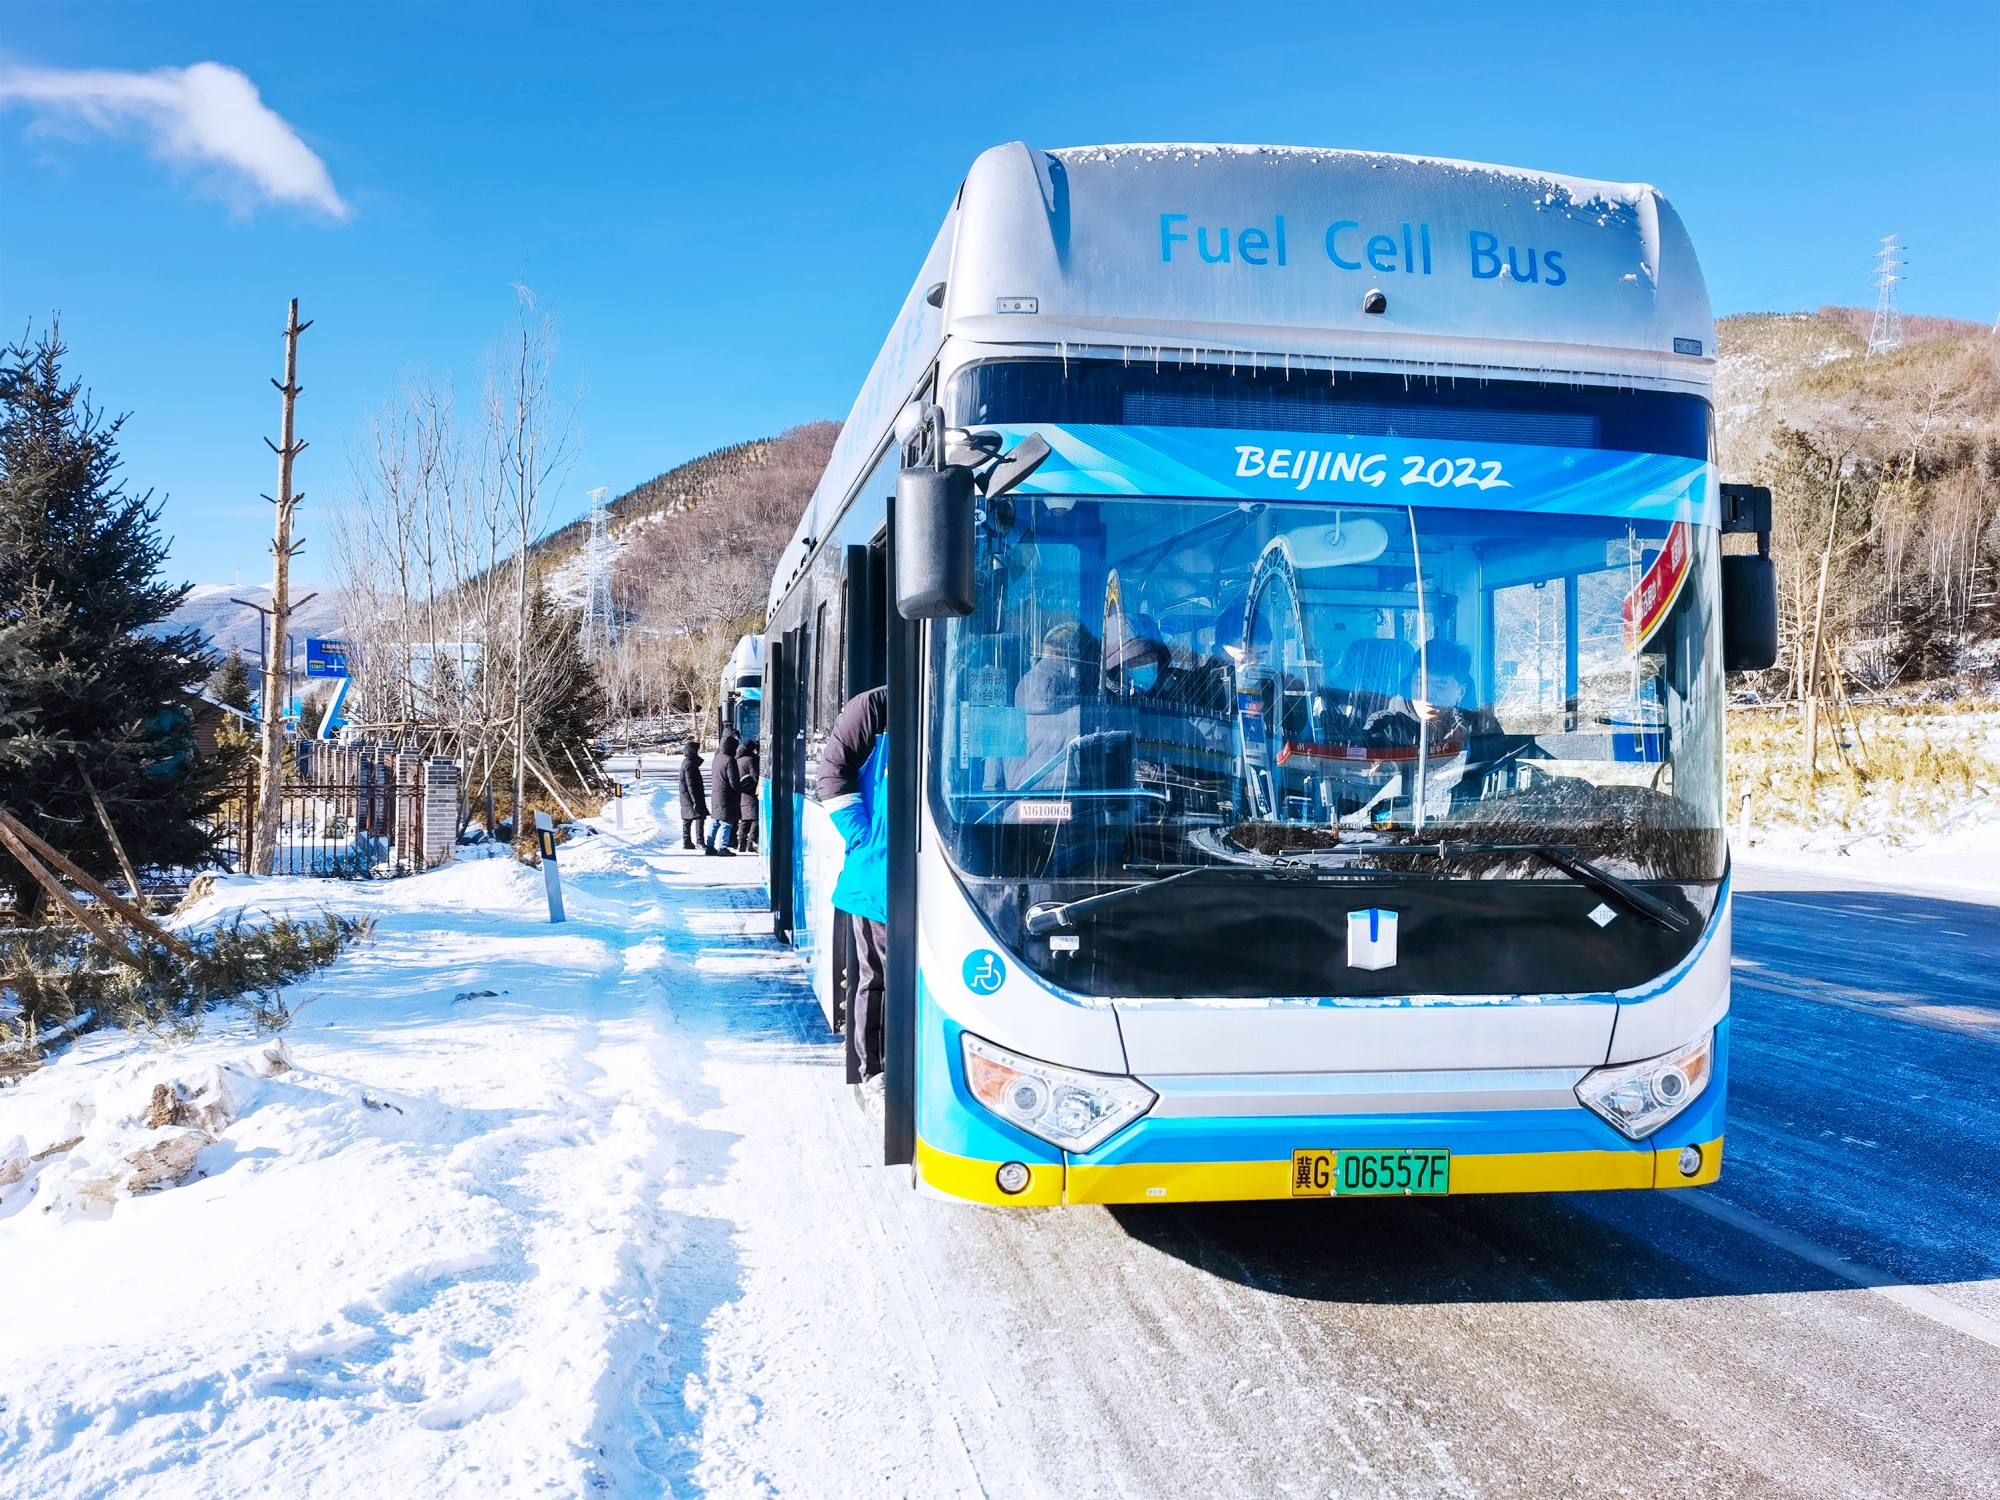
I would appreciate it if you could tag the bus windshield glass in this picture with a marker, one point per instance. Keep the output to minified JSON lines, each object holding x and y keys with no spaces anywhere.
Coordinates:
{"x":1310,"y":695}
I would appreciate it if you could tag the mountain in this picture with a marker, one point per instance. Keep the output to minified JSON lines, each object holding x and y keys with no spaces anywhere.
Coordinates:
{"x":230,"y":626}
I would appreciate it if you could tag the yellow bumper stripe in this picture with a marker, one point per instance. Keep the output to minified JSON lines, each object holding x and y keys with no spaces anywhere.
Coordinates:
{"x":973,"y":1180}
{"x":1224,"y":1181}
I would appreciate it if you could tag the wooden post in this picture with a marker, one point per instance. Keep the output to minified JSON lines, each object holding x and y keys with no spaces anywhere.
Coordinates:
{"x":67,"y":904}
{"x":271,"y":783}
{"x":25,"y":845}
{"x":111,"y":833}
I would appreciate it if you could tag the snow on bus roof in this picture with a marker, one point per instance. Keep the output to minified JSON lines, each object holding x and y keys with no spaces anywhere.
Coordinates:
{"x":1206,"y":250}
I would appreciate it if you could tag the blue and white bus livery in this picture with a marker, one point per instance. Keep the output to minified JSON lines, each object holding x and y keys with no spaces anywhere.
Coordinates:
{"x":1299,"y":580}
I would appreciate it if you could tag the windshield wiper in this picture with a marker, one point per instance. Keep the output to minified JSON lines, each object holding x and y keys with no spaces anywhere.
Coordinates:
{"x":1639,"y":903}
{"x":1048,"y":915}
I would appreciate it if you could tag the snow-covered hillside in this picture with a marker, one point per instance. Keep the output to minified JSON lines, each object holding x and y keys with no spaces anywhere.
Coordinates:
{"x":232,"y":627}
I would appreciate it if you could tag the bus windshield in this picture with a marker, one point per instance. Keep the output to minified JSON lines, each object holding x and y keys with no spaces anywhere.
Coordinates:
{"x":1313,"y":695}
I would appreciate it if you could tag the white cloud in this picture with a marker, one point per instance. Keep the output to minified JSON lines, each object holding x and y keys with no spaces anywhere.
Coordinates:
{"x":206,"y":117}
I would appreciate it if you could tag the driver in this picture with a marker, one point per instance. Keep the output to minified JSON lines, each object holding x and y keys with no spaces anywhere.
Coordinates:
{"x":1449,"y":706}
{"x":1437,"y":715}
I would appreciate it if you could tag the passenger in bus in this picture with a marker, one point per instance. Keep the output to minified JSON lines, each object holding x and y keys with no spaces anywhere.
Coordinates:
{"x":1051,"y":693}
{"x":728,"y":798}
{"x":694,"y":795}
{"x":1373,"y":678}
{"x":747,"y":773}
{"x":853,"y":787}
{"x":1176,"y":715}
{"x":1139,"y":668}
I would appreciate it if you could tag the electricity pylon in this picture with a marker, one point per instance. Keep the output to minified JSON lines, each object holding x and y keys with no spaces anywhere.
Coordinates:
{"x":1886,"y":336}
{"x":600,"y":623}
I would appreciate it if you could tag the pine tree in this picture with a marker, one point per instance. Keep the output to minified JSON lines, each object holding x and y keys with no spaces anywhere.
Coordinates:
{"x":566,"y":703}
{"x":91,"y":684}
{"x":569,"y":703}
{"x":231,"y":684}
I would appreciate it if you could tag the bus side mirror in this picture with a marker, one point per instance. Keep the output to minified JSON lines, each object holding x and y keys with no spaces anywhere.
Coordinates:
{"x":1749,"y":584}
{"x":934,"y":542}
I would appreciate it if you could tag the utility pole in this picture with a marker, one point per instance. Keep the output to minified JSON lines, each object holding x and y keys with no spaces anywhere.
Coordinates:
{"x":271,"y":784}
{"x":1885,"y":336}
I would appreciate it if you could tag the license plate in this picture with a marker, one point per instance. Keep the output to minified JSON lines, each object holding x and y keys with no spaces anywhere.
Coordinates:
{"x":1371,"y":1174}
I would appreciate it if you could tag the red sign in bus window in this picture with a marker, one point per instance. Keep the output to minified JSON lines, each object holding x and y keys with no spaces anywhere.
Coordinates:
{"x":1657,"y":590}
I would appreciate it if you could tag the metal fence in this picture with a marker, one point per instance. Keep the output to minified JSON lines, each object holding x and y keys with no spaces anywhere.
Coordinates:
{"x":350,"y":811}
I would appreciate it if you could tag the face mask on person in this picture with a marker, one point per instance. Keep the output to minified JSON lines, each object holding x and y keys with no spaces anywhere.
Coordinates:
{"x":1144,"y":677}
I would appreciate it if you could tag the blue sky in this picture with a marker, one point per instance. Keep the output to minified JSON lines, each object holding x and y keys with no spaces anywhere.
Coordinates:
{"x":725,"y":204}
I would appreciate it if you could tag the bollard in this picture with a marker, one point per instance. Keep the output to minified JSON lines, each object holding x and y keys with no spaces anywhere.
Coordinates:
{"x":545,"y":836}
{"x":618,"y":796}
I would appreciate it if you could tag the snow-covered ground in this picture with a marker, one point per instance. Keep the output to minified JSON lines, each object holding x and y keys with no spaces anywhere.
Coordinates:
{"x":1944,"y":839}
{"x":1964,"y":861}
{"x":471,"y":1240}
{"x":586,"y":1209}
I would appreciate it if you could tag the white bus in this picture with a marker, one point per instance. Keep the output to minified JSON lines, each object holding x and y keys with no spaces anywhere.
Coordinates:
{"x":739,"y":696}
{"x":1308,"y":780}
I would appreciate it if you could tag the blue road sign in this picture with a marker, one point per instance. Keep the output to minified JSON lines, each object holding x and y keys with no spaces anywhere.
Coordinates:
{"x":325,"y":658}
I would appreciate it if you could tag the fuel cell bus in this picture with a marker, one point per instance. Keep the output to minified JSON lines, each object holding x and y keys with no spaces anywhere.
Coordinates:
{"x":1299,"y":579}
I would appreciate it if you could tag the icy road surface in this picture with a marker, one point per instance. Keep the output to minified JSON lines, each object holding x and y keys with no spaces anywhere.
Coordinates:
{"x":587,"y":1210}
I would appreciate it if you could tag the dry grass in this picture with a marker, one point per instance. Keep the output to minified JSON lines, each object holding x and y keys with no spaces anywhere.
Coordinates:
{"x":1910,"y":771}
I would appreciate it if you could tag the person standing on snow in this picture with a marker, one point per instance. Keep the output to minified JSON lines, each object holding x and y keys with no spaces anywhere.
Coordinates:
{"x":694,"y":796}
{"x":853,"y":787}
{"x":747,"y":772}
{"x":728,"y":799}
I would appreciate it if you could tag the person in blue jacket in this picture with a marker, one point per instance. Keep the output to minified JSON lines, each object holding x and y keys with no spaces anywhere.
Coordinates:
{"x":853,"y":787}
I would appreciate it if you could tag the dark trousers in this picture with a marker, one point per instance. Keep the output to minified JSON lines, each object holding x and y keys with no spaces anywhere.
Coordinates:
{"x":871,"y":953}
{"x":690,"y":832}
{"x":746,"y":834}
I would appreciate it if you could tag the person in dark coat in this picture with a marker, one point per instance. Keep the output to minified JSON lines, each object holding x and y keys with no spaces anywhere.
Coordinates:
{"x":694,"y":795}
{"x":727,"y":799}
{"x":747,"y":772}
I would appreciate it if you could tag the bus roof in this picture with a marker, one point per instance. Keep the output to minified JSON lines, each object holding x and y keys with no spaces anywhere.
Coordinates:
{"x":1270,"y":252}
{"x":745,"y":661}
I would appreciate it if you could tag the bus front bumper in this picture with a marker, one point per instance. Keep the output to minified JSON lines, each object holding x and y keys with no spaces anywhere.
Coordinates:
{"x":1192,"y":1149}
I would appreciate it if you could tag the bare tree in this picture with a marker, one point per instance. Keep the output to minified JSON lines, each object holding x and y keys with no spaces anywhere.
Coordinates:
{"x":528,"y":451}
{"x":434,"y":553}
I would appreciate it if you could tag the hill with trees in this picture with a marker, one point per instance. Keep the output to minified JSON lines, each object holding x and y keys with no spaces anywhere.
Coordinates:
{"x":1885,"y":474}
{"x":694,"y":552}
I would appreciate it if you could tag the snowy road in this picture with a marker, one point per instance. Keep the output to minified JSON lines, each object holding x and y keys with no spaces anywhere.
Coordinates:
{"x":608,"y":1229}
{"x":1586,"y":1345}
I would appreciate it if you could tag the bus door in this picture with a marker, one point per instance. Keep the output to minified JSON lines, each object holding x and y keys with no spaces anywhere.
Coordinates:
{"x":865,"y":642}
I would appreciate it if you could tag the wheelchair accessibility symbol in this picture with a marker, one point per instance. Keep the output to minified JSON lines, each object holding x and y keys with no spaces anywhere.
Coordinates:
{"x":984,"y":973}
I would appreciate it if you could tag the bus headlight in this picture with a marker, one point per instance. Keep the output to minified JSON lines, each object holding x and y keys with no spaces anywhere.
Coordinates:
{"x":1638,"y":1098}
{"x":1066,"y":1108}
